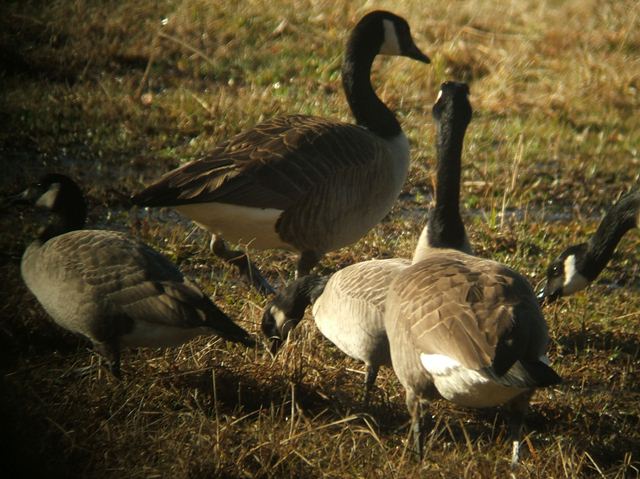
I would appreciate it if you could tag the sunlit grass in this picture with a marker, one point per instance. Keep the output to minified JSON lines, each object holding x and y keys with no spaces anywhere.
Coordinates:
{"x":118,"y":93}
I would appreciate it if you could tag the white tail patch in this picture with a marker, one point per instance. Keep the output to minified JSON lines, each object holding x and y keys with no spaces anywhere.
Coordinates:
{"x":238,"y":224}
{"x":390,"y":45}
{"x":438,"y":364}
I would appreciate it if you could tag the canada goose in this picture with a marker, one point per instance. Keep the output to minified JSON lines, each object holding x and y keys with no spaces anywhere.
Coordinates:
{"x":299,"y":182}
{"x":348,"y":308}
{"x":110,"y":288}
{"x":580,"y":264}
{"x":469,"y":327}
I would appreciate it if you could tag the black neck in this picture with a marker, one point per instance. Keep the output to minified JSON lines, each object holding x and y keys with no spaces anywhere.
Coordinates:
{"x":446,"y":228}
{"x":305,"y":291}
{"x":68,"y":214}
{"x":619,"y":219}
{"x":368,"y":110}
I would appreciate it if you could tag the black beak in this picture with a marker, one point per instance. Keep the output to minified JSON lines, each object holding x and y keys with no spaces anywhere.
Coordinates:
{"x":25,"y":197}
{"x":414,"y":52}
{"x":545,"y":298}
{"x":275,"y":345}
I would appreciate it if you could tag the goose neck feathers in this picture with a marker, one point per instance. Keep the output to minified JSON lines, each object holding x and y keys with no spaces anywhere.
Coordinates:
{"x":286,"y":310}
{"x":62,"y":197}
{"x":378,"y":32}
{"x":452,"y":114}
{"x":580,"y":264}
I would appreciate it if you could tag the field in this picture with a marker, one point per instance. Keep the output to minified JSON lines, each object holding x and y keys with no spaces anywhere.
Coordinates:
{"x":117,"y":93}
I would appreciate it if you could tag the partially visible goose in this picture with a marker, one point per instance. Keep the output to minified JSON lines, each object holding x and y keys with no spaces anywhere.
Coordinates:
{"x":468,"y":326}
{"x":579,"y":265}
{"x":349,"y":307}
{"x":299,"y":182}
{"x":108,"y":287}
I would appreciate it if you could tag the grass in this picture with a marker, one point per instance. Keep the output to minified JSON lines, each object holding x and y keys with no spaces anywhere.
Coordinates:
{"x":116,"y":94}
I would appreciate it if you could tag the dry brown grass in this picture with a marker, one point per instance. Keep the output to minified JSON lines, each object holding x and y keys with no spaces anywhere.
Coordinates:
{"x":115,"y":95}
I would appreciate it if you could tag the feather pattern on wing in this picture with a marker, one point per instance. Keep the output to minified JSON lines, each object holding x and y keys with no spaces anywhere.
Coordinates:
{"x":272,"y":165}
{"x":467,"y":308}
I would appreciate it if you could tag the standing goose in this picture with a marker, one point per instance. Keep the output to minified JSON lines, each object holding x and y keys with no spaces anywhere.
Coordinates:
{"x":299,"y":182}
{"x":110,"y":288}
{"x":580,"y":264}
{"x":349,"y":307}
{"x":468,"y":326}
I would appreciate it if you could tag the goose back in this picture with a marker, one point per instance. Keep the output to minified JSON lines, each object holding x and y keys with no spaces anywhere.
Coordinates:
{"x":107,"y":286}
{"x":297,"y":179}
{"x":465,"y":315}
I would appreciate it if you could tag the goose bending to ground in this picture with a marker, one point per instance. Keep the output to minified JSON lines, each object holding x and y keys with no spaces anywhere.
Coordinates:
{"x":580,"y":264}
{"x":108,"y":287}
{"x":349,"y":307}
{"x":469,"y":327}
{"x":299,"y":182}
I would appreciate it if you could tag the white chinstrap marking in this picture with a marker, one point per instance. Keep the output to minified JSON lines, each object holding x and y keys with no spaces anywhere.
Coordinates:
{"x":573,"y":280}
{"x":48,"y":199}
{"x":390,"y":45}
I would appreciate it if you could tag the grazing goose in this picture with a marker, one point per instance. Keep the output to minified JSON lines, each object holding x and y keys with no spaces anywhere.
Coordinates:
{"x":580,"y":264}
{"x":110,"y":288}
{"x":469,"y":327}
{"x":348,"y":308}
{"x":299,"y":182}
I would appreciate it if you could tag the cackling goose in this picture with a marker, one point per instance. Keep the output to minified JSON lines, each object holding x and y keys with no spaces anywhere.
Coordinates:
{"x":349,"y":308}
{"x":108,"y":287}
{"x":469,"y":327}
{"x":299,"y":182}
{"x":579,"y":265}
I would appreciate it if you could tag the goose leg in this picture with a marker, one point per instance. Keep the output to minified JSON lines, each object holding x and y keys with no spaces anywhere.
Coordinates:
{"x":240,"y":260}
{"x":308,"y":259}
{"x":413,"y":405}
{"x":518,"y":408}
{"x":369,"y":381}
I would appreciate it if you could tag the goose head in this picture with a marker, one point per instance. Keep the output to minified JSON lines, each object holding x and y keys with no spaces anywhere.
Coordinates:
{"x":565,"y":275}
{"x":386,"y":34}
{"x":61,"y":197}
{"x":452,"y":101}
{"x":283,"y":313}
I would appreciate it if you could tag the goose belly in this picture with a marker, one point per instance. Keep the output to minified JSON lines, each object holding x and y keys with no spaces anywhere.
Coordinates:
{"x":356,"y":329}
{"x":466,"y":387}
{"x":239,"y":224}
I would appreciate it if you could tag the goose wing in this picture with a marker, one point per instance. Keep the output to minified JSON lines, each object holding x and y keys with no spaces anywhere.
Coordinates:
{"x":271,"y":165}
{"x":128,"y":279}
{"x":474,"y":311}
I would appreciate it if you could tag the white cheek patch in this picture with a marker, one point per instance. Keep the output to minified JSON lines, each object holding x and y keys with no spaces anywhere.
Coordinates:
{"x":573,"y":280}
{"x":439,"y":96}
{"x":390,"y":45}
{"x":279,"y":316}
{"x":438,"y":364}
{"x":48,"y":199}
